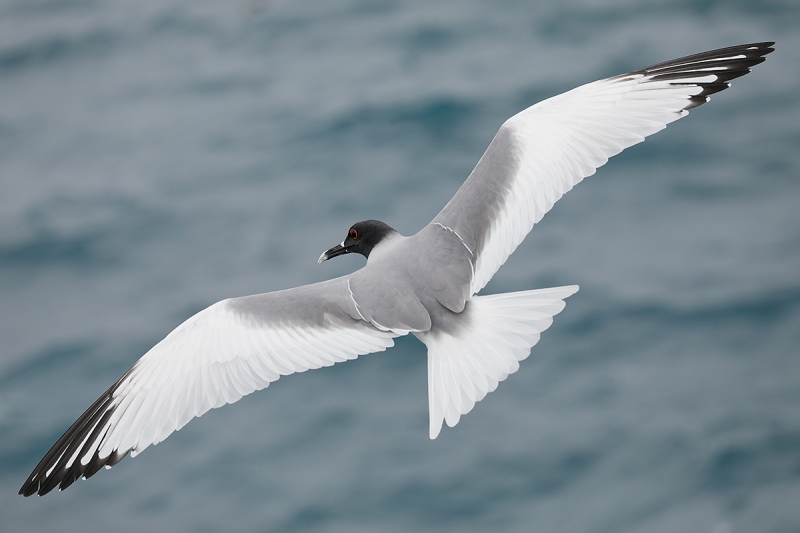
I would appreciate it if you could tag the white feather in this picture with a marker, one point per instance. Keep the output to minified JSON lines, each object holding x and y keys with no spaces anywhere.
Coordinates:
{"x":560,"y":141}
{"x":215,"y":358}
{"x":465,"y":366}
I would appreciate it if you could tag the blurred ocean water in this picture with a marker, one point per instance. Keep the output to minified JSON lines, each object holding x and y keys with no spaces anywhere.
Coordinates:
{"x":156,"y":157}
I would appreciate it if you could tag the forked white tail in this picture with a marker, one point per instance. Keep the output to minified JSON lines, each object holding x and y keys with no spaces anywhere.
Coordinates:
{"x":500,"y":331}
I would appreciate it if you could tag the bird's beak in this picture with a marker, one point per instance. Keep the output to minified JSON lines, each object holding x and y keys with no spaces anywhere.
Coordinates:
{"x":339,"y":249}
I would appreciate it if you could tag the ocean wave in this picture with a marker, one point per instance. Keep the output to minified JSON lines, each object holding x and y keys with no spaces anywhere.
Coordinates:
{"x":51,"y":49}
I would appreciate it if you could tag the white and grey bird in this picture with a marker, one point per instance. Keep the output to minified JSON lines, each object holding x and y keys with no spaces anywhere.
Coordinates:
{"x":426,"y":284}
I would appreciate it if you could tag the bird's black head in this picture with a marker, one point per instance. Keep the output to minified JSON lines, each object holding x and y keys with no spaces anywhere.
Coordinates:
{"x":361,"y":239}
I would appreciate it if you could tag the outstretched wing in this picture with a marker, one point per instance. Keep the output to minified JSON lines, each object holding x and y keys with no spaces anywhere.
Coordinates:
{"x":222,"y":353}
{"x":543,"y":151}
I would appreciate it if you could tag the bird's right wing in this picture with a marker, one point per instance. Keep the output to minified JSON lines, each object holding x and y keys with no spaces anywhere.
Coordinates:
{"x":543,"y":151}
{"x":222,"y":353}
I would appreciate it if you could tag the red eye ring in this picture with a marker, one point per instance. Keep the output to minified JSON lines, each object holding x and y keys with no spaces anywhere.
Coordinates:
{"x":354,"y":234}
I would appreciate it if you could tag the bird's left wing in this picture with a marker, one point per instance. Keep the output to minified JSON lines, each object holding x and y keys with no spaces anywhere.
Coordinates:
{"x":222,"y":353}
{"x":542,"y":152}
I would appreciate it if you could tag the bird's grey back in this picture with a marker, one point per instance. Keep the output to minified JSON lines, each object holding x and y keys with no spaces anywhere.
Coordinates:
{"x":415,"y":283}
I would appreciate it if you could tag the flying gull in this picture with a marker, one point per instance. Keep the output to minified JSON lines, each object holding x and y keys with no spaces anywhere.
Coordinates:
{"x":426,"y":284}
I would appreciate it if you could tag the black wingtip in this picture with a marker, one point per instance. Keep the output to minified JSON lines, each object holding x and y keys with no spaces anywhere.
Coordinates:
{"x":53,"y":470}
{"x":721,"y":66}
{"x":740,"y":54}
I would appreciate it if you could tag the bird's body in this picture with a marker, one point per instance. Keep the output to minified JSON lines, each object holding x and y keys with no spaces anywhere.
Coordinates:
{"x":425,"y":284}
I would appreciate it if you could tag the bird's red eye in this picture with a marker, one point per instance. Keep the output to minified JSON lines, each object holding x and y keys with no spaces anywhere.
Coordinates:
{"x":354,"y":234}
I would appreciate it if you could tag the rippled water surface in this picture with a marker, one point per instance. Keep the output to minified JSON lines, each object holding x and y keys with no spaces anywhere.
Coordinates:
{"x":156,"y":157}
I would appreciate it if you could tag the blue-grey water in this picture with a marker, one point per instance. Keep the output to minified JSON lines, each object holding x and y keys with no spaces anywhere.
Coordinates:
{"x":158,"y":156}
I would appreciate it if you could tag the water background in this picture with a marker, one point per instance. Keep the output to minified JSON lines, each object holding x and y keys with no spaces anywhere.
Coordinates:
{"x":156,"y":157}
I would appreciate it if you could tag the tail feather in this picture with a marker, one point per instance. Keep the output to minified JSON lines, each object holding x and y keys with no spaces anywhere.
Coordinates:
{"x":464,"y":367}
